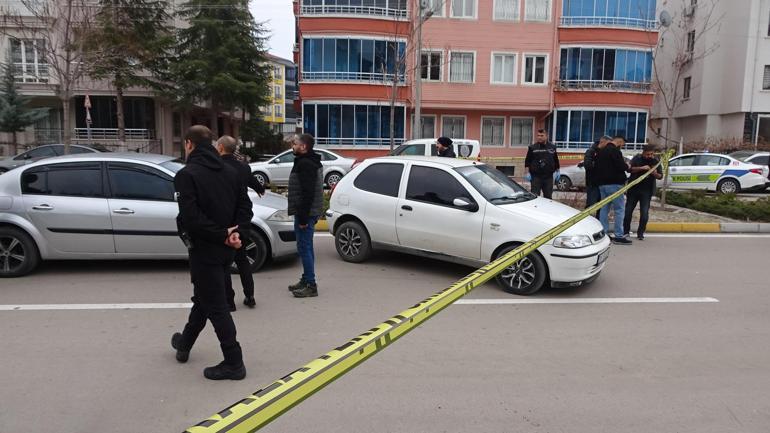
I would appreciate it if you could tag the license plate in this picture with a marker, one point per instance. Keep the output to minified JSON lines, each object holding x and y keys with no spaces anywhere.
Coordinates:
{"x":603,"y":256}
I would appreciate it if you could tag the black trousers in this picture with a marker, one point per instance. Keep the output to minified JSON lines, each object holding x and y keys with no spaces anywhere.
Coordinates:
{"x":592,"y":196}
{"x":210,"y":304}
{"x":244,"y":271}
{"x":643,"y":198}
{"x":544,"y":183}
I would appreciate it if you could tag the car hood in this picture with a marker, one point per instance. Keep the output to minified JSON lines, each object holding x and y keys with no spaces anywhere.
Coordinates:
{"x":269,"y":200}
{"x":548,"y":213}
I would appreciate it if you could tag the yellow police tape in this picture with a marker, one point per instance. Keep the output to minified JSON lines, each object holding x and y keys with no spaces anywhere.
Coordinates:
{"x":258,"y":409}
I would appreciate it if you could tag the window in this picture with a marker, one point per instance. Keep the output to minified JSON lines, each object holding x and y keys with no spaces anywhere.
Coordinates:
{"x":522,"y":131}
{"x":131,"y":182}
{"x":615,"y":13}
{"x":74,"y":150}
{"x":326,"y":156}
{"x":605,"y":68}
{"x":28,"y":60}
{"x":437,"y":6}
{"x":691,"y":42}
{"x":712,"y":161}
{"x":277,"y":72}
{"x":535,"y":69}
{"x":492,"y":131}
{"x":537,"y":10}
{"x":453,"y":126}
{"x":431,"y":185}
{"x":381,"y":178}
{"x":766,"y":78}
{"x":461,"y":67}
{"x":427,"y":127}
{"x":278,"y":111}
{"x":503,"y":68}
{"x":74,"y":180}
{"x":277,"y":92}
{"x":686,"y":88}
{"x":431,"y":66}
{"x":410,"y":149}
{"x":578,"y":129}
{"x":353,"y":124}
{"x":506,"y":10}
{"x":463,"y":8}
{"x":38,"y":152}
{"x":385,"y":8}
{"x":34,"y":181}
{"x":684,"y":161}
{"x":346,"y":59}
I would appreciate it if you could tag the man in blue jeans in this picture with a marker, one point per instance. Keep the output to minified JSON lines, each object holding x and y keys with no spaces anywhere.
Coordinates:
{"x":643,"y":192}
{"x":611,"y":176}
{"x":306,"y":204}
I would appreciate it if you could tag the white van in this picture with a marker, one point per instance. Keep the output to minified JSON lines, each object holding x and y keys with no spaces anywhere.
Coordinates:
{"x":427,"y":147}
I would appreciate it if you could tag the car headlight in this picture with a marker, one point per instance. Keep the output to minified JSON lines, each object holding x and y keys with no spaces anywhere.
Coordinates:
{"x":577,"y":241}
{"x":281,"y":216}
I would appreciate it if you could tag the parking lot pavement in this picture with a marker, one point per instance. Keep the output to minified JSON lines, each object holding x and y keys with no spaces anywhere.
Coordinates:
{"x":630,"y":367}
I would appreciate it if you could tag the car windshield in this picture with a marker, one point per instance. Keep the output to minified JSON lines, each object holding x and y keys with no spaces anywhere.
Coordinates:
{"x":174,"y":165}
{"x":496,"y":187}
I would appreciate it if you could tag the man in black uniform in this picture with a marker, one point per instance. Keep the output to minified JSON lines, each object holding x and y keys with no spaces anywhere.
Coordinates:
{"x":542,"y":162}
{"x":212,"y":206}
{"x":226,"y":146}
{"x":444,"y":147}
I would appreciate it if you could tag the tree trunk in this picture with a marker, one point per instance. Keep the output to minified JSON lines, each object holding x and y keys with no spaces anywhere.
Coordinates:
{"x":393,"y":113}
{"x":66,"y":122}
{"x":14,"y":145}
{"x":121,"y":118}
{"x":214,"y":123}
{"x":665,"y":169}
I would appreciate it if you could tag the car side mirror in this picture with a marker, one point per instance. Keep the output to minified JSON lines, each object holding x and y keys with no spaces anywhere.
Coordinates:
{"x":27,"y":156}
{"x":465,"y":204}
{"x":276,"y":161}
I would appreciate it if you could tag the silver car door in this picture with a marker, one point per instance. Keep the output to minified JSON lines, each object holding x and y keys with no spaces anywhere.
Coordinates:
{"x":280,"y":168}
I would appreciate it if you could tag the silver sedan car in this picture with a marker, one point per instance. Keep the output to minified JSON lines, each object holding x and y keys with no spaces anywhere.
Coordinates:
{"x":111,"y":206}
{"x":45,"y":151}
{"x":276,"y":170}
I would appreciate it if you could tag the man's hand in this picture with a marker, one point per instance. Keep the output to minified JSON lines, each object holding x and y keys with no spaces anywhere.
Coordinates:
{"x":233,"y":238}
{"x":303,"y":226}
{"x":645,"y":168}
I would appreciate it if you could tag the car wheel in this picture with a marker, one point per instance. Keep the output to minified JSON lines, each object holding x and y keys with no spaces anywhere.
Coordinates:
{"x":352,"y":242}
{"x":18,"y":253}
{"x":332,"y":179}
{"x":563,"y":183}
{"x":524,"y":277}
{"x":729,"y":186}
{"x":261,"y":178}
{"x":256,"y":252}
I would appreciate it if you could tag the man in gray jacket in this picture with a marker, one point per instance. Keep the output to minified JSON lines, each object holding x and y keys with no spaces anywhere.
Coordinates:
{"x":306,"y":204}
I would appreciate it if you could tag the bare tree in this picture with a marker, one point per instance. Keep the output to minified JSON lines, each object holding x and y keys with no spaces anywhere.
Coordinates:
{"x":63,"y":27}
{"x":681,"y":45}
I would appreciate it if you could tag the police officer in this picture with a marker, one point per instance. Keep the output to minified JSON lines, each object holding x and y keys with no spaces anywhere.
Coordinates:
{"x":227,"y":146}
{"x":213,"y":206}
{"x":542,"y":164}
{"x":444,"y":147}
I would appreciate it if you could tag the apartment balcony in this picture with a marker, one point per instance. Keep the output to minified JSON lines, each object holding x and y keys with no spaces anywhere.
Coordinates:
{"x":604,"y":85}
{"x":352,"y":77}
{"x":30,"y":72}
{"x":137,"y":140}
{"x":394,"y":9}
{"x":614,"y":22}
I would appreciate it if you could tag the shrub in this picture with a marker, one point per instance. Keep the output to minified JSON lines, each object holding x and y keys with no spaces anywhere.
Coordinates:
{"x":726,"y":205}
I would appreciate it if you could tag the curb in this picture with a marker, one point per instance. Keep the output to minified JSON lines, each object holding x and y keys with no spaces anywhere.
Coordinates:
{"x":321,"y":225}
{"x":658,"y":227}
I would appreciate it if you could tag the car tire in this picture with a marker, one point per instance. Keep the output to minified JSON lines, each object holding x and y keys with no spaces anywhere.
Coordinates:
{"x":564,"y":183}
{"x":18,"y":253}
{"x":256,"y":251}
{"x":728,"y":186}
{"x":333,"y":178}
{"x":524,"y":277}
{"x":261,"y":178}
{"x":352,"y":242}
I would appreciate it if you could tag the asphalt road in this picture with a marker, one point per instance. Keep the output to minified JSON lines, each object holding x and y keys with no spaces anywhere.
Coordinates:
{"x":560,"y":367}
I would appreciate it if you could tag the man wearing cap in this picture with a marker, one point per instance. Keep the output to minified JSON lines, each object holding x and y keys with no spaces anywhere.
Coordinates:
{"x":444,"y":147}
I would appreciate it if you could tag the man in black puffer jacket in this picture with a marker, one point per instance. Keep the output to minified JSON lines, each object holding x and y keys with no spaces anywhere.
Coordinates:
{"x":611,"y":176}
{"x":306,"y":204}
{"x":213,"y":205}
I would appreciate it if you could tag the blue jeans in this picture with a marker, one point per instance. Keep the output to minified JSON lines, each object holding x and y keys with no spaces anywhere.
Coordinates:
{"x":305,"y":248}
{"x":618,"y":205}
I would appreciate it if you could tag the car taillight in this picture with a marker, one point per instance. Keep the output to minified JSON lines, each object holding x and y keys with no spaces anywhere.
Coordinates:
{"x":756,"y":171}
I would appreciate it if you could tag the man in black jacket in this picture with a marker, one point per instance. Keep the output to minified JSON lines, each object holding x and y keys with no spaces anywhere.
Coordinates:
{"x":643,"y":192}
{"x":589,"y":164}
{"x":306,"y":204}
{"x":611,"y":176}
{"x":542,"y":162}
{"x":444,"y":147}
{"x":226,"y":146}
{"x":213,"y":206}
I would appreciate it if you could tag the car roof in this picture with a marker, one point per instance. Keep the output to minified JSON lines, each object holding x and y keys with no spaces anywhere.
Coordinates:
{"x":152,"y":158}
{"x":451,"y":162}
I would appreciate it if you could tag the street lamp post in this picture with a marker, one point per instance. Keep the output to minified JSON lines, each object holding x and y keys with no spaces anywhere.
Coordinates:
{"x":416,"y":124}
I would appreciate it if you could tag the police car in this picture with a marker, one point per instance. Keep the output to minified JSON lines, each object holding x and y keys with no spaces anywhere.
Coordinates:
{"x":715,"y":172}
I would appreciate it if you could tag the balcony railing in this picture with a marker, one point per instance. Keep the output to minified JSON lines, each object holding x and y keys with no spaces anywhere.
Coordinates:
{"x":635,"y":23}
{"x":582,"y":145}
{"x":366,"y":77}
{"x":112,"y":134}
{"x":627,"y":86}
{"x":357,"y":142}
{"x":353,"y":10}
{"x":30,"y":72}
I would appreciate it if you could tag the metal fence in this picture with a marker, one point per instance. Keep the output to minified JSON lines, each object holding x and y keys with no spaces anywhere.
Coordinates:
{"x":353,"y":10}
{"x":30,"y":72}
{"x":635,"y":86}
{"x":370,"y":77}
{"x":637,"y":23}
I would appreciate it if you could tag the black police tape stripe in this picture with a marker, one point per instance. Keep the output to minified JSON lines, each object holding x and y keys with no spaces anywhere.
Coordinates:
{"x":257,"y":410}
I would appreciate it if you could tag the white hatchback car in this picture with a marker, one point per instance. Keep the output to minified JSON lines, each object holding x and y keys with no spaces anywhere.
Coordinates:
{"x":464,"y":212}
{"x":276,"y":170}
{"x":715,"y":172}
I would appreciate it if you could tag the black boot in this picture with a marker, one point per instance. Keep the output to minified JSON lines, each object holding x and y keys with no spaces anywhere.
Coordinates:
{"x":176,"y":342}
{"x":298,"y":286}
{"x":231,"y":368}
{"x":308,"y":291}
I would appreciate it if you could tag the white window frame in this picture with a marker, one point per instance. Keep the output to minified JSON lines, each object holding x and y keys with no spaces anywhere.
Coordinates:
{"x":440,"y":66}
{"x":439,"y":12}
{"x":449,"y":78}
{"x":514,"y":20}
{"x":277,"y":72}
{"x":465,"y":122}
{"x":277,"y":110}
{"x":492,"y":68}
{"x":39,"y":61}
{"x":765,"y":73}
{"x":524,"y":69}
{"x":481,"y":132}
{"x":550,"y":11}
{"x":435,"y":124}
{"x":277,"y":92}
{"x":510,"y":130}
{"x":463,"y":17}
{"x":686,"y":88}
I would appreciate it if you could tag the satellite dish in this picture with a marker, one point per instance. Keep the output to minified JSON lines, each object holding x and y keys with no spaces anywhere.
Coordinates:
{"x":665,"y":18}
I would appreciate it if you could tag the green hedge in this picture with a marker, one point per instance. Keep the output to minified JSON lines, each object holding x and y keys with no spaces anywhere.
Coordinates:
{"x":726,"y":205}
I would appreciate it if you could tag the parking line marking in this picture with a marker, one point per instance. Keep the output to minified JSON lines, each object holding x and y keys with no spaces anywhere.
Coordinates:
{"x":140,"y":306}
{"x":585,"y":301}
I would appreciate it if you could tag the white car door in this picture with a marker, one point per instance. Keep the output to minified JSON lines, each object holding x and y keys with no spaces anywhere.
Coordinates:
{"x":376,"y":200}
{"x":279,"y":168}
{"x":67,"y":203}
{"x":143,"y":211}
{"x":709,"y":169}
{"x":427,"y":218}
{"x":682,"y":172}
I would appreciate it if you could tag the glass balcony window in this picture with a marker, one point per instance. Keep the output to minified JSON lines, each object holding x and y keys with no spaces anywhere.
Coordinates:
{"x":605,"y":69}
{"x":578,"y":129}
{"x":343,"y":59}
{"x":638,"y":14}
{"x":353,"y":125}
{"x":373,"y":8}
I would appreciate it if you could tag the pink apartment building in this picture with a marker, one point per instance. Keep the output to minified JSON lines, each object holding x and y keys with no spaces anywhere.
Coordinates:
{"x":491,"y":70}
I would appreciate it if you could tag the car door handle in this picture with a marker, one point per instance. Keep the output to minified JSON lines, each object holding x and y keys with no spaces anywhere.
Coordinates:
{"x":406,"y":207}
{"x":123,"y":211}
{"x":43,"y":207}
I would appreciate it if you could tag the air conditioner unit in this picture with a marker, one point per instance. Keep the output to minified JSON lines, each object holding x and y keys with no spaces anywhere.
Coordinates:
{"x":689,"y":11}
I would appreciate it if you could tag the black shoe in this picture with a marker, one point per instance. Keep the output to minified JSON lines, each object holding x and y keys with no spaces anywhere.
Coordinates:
{"x":224,"y":371}
{"x":176,"y":342}
{"x":621,"y":241}
{"x":640,"y":236}
{"x":299,"y":285}
{"x":308,"y":291}
{"x":250,"y":302}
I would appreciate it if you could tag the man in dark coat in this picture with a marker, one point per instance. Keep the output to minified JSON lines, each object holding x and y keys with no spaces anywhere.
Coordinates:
{"x":444,"y":147}
{"x":542,"y":162}
{"x":213,"y":205}
{"x":643,"y":192}
{"x":611,"y":176}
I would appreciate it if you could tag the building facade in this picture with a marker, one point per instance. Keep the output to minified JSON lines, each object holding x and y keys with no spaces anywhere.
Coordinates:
{"x":280,"y":113}
{"x":491,"y":70}
{"x":723,"y":90}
